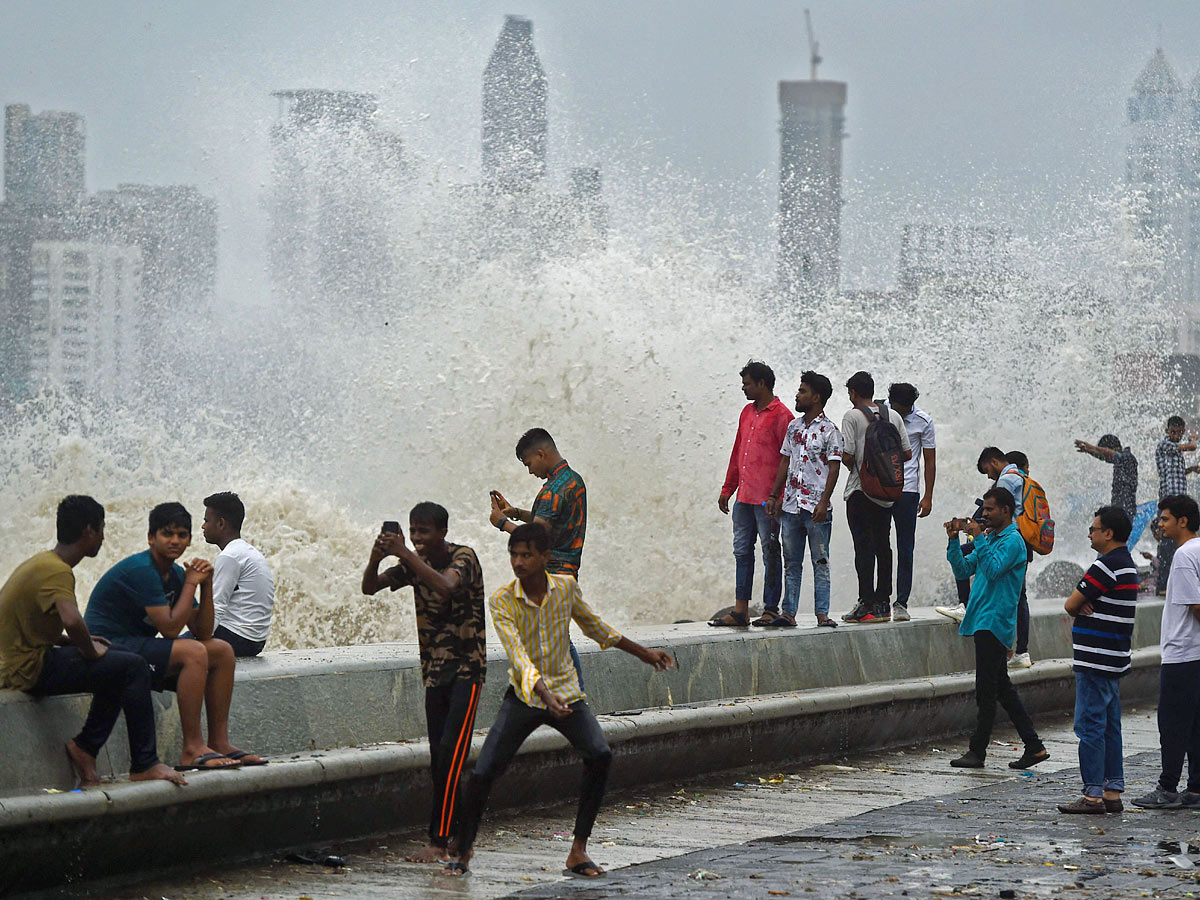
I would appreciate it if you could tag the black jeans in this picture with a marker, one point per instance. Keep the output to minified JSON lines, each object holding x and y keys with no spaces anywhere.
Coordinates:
{"x":515,"y":722}
{"x":992,"y":685}
{"x":118,"y":681}
{"x":241,"y":646}
{"x":1023,"y":616}
{"x":1179,"y":724}
{"x":450,"y":718}
{"x":904,"y":513}
{"x":1166,"y":553}
{"x":963,"y":585}
{"x":870,"y":528}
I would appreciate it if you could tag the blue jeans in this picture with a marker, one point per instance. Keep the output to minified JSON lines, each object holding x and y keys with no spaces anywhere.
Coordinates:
{"x":904,"y":514}
{"x":1098,"y":727}
{"x":796,"y":529}
{"x":752,"y":523}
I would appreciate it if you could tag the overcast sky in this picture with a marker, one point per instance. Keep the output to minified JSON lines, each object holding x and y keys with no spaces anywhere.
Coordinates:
{"x":1007,"y":112}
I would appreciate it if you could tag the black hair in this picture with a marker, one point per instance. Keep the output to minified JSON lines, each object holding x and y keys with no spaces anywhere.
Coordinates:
{"x":430,"y":513}
{"x":988,"y":454}
{"x":75,"y":513}
{"x":1182,"y":506}
{"x":862,"y":384}
{"x":818,"y":383}
{"x":903,"y":393}
{"x":1115,"y":520}
{"x":167,"y":514}
{"x":1176,"y":422}
{"x":1002,"y":497}
{"x":530,"y":533}
{"x":532,"y":440}
{"x":229,"y":507}
{"x":1109,"y":442}
{"x":1018,"y":459}
{"x":759,"y":371}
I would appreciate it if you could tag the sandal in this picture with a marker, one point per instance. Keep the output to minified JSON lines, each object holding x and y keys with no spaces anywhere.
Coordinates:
{"x":775,"y":620}
{"x":456,"y":868}
{"x":826,"y":622}
{"x":585,"y":869}
{"x":731,"y":620}
{"x":766,"y":620}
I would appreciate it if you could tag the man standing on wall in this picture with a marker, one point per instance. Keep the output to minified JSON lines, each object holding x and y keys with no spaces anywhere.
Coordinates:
{"x":810,"y":461}
{"x":869,"y":518}
{"x":1125,"y":470}
{"x":447,"y":583}
{"x":1172,"y":482}
{"x":560,"y":507}
{"x":998,"y":566}
{"x":752,"y":467}
{"x":912,"y":505}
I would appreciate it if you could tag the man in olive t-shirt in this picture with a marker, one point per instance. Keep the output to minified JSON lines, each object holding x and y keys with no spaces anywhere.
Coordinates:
{"x":37,"y":605}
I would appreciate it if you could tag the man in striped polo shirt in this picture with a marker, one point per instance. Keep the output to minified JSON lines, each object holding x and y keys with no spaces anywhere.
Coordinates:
{"x":532,"y":615}
{"x":1103,"y":608}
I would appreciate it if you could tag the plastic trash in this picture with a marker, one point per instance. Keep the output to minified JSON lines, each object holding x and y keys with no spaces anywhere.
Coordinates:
{"x":312,"y":858}
{"x":703,"y":875}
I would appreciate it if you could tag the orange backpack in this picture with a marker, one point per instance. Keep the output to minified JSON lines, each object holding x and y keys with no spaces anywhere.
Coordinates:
{"x":1033,"y":516}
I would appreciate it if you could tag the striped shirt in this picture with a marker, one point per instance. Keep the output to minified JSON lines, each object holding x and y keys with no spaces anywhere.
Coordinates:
{"x":1102,"y":639}
{"x":537,"y":638}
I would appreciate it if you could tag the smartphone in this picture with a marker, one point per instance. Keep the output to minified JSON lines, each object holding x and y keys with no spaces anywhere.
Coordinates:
{"x":391,"y":527}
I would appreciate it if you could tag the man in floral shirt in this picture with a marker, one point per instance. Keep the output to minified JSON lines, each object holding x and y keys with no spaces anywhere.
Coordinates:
{"x":811,"y":459}
{"x":752,"y":463}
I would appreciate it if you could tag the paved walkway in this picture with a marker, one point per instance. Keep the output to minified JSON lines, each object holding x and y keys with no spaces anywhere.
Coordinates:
{"x":654,"y":840}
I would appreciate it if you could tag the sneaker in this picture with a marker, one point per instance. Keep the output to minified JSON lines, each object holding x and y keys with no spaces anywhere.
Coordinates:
{"x":1030,"y":759}
{"x":1083,"y":806}
{"x":1159,"y":799}
{"x":967,"y":761}
{"x":953,"y":612}
{"x":1189,"y":800}
{"x":856,"y":614}
{"x":1020,"y":661}
{"x":900,"y":613}
{"x":875,"y":616}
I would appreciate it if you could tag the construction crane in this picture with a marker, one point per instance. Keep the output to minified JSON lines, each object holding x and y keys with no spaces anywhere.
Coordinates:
{"x":814,"y":49}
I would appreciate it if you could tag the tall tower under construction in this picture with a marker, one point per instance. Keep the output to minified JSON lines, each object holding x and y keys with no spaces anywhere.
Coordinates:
{"x":810,"y":183}
{"x":514,"y":110}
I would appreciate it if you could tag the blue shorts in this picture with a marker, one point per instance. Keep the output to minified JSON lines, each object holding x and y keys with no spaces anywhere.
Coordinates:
{"x":157,"y":652}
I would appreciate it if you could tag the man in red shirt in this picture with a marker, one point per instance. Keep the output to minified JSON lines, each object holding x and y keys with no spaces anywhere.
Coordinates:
{"x":751,"y":473}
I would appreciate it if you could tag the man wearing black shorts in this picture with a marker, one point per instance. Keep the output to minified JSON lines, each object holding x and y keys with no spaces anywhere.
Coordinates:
{"x":147,"y":595}
{"x":447,"y":583}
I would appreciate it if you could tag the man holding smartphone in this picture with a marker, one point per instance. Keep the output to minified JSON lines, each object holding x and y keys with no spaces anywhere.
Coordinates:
{"x":447,"y":583}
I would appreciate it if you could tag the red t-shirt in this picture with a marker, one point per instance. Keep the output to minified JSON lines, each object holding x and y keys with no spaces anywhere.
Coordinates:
{"x":755,"y":457}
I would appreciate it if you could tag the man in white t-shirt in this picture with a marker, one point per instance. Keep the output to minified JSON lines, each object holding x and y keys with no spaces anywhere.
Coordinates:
{"x":869,"y":518}
{"x":1179,"y":674}
{"x":912,"y":505}
{"x":243,"y":589}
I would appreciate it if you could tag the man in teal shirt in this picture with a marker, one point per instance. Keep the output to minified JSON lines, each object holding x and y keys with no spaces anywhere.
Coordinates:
{"x":998,"y":564}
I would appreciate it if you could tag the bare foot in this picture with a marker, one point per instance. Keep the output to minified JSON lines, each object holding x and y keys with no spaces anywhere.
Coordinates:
{"x":158,"y":772}
{"x":432,"y":853}
{"x":84,"y":765}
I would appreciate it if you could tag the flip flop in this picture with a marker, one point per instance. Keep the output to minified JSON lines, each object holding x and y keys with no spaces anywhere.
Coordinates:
{"x":731,"y":620}
{"x":456,"y":869}
{"x":826,"y":623}
{"x":247,"y":758}
{"x":201,"y":763}
{"x":580,"y":870}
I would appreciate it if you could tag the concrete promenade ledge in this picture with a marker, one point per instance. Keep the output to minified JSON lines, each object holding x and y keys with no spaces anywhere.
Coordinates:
{"x":739,"y":698}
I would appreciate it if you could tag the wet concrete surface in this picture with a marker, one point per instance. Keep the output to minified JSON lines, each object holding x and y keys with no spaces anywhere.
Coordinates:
{"x":876,"y":825}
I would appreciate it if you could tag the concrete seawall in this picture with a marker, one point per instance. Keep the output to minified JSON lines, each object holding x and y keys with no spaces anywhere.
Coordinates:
{"x":739,"y":698}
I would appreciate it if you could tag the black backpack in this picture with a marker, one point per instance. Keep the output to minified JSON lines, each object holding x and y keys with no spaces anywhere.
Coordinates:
{"x":881,"y":470}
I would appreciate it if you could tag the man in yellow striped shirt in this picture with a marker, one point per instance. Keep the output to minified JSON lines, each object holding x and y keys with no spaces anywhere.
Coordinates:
{"x":532,"y":615}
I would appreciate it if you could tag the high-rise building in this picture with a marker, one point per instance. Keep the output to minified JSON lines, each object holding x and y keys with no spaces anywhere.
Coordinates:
{"x":1161,"y":170}
{"x":514,"y":111}
{"x":811,"y":131}
{"x":43,"y":158}
{"x":958,"y":260}
{"x":85,"y":317}
{"x":336,"y":181}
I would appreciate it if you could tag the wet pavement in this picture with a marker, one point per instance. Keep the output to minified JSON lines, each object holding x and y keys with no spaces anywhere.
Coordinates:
{"x":884,"y":824}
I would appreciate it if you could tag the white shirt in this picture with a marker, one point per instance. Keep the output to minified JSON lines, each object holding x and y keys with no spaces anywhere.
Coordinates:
{"x":921,"y":435}
{"x":243,"y":591}
{"x":854,"y":436}
{"x":810,"y":449}
{"x":1179,"y":633}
